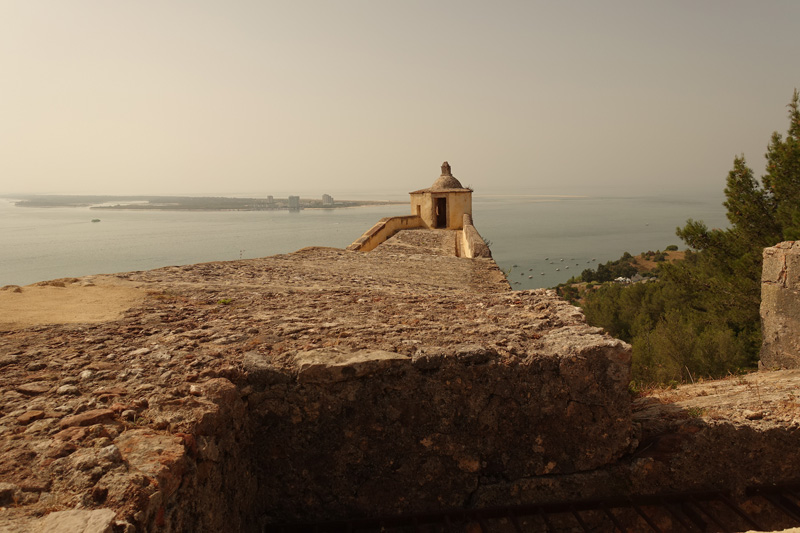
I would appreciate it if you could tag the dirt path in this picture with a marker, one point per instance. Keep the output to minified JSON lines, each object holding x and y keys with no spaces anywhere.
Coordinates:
{"x":66,"y":301}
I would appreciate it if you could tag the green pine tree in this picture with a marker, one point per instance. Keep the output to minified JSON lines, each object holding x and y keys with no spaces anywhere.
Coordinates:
{"x":702,"y":319}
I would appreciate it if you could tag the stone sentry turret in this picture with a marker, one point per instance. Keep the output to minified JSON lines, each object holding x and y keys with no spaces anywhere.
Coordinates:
{"x":444,"y":204}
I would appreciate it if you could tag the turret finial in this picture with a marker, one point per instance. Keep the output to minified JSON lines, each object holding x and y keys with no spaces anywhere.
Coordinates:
{"x":446,"y":169}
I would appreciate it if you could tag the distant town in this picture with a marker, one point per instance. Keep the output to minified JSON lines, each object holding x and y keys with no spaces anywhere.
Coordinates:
{"x":192,"y":203}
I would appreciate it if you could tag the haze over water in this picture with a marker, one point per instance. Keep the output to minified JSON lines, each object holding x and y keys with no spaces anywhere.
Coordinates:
{"x":37,"y":244}
{"x":612,"y":98}
{"x":597,"y":99}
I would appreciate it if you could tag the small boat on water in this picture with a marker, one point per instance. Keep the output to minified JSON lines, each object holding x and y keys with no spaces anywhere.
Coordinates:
{"x":95,"y":220}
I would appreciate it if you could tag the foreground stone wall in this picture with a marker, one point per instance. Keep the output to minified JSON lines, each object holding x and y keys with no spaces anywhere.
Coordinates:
{"x":780,"y":306}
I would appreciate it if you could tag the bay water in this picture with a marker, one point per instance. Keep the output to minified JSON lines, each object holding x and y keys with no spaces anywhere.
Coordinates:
{"x":540,"y":240}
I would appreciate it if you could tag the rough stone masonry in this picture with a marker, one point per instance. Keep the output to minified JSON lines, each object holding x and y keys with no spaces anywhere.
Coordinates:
{"x":323,"y":383}
{"x":780,"y":306}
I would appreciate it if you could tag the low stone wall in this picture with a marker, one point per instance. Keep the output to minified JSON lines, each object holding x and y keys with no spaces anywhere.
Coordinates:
{"x":383,"y":229}
{"x":473,"y":244}
{"x":780,"y":306}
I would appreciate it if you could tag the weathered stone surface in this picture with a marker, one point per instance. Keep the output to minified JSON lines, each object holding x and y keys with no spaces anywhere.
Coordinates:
{"x":780,"y":306}
{"x":77,"y":521}
{"x":160,"y":457}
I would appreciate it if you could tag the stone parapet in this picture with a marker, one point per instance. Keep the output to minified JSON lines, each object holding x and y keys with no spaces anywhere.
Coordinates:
{"x":780,"y":306}
{"x":383,"y":230}
{"x":473,"y":244}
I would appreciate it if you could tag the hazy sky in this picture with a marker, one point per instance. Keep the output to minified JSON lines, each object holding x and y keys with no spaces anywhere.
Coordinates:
{"x":261,"y":97}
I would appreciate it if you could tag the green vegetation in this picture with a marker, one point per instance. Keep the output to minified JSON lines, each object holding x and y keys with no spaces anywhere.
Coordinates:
{"x":696,"y":412}
{"x":623,"y":267}
{"x":701,"y":319}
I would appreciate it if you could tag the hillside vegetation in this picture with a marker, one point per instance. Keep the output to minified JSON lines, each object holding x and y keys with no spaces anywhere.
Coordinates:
{"x":701,"y":318}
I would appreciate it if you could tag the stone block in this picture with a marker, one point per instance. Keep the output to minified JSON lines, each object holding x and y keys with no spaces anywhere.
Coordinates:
{"x":780,"y":306}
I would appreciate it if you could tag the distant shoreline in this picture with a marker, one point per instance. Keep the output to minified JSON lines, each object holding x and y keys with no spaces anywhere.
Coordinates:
{"x":184,"y":203}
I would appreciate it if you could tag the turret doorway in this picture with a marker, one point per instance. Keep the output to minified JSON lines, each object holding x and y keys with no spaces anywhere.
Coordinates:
{"x":441,"y":212}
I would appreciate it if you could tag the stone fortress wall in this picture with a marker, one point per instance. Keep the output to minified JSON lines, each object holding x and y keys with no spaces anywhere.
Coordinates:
{"x":334,"y":384}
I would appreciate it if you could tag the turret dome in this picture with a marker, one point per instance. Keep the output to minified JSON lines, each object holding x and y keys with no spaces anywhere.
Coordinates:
{"x":446,"y":180}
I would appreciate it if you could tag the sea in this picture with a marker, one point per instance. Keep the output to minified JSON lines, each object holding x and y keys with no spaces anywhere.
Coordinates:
{"x":539,"y":241}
